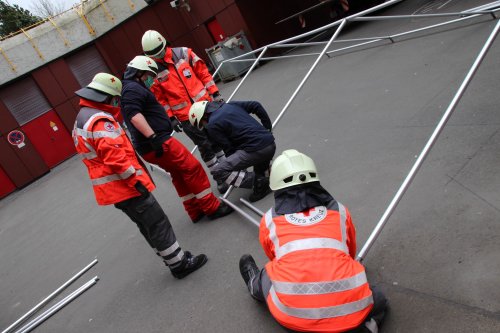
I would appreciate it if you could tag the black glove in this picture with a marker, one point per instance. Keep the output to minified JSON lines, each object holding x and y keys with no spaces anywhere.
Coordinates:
{"x":156,"y":144}
{"x":176,"y":124}
{"x":141,"y":188}
{"x":217,"y":97}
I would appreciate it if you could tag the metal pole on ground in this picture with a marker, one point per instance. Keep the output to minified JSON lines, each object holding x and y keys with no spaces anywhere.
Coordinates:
{"x":248,"y":73}
{"x":56,"y":307}
{"x":337,"y":32}
{"x":255,"y":62}
{"x":308,"y":74}
{"x":240,"y":211}
{"x":218,"y":68}
{"x":320,"y":29}
{"x":416,"y":16}
{"x":50,"y":297}
{"x":341,"y":26}
{"x":252,"y":207}
{"x":385,"y":217}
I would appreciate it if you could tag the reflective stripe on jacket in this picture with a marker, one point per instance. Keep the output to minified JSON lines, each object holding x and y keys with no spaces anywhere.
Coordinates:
{"x":183,"y":79}
{"x":316,"y":283}
{"x":108,"y":154}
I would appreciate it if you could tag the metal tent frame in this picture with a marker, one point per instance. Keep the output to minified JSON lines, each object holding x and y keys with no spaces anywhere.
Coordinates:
{"x":465,"y":16}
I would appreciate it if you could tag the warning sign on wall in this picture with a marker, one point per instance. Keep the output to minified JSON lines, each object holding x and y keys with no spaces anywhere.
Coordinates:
{"x":16,"y":138}
{"x":54,"y":126}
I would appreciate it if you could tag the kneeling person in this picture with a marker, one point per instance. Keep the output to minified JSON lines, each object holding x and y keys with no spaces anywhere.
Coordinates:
{"x":245,"y":142}
{"x":312,"y":282}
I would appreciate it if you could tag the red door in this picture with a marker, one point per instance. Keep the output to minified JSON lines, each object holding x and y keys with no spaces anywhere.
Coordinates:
{"x":216,"y":30}
{"x":50,"y":138}
{"x":6,"y":185}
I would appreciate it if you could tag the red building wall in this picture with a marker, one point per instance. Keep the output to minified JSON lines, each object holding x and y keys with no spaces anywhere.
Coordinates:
{"x":20,"y":166}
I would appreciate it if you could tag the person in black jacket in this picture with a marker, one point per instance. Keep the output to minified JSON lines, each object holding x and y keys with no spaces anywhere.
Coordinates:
{"x":151,"y":131}
{"x":245,"y":142}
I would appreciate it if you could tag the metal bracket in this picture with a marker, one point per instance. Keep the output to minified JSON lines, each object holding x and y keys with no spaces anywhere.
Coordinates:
{"x":12,"y":66}
{"x":110,"y":17}
{"x":61,"y":34}
{"x":79,"y":10}
{"x":33,"y":44}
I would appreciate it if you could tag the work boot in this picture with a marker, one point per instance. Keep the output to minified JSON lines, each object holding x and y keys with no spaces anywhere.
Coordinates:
{"x":222,"y":187}
{"x":198,"y":218}
{"x":248,"y":269}
{"x":260,"y":189}
{"x":223,"y":210}
{"x":189,"y":264}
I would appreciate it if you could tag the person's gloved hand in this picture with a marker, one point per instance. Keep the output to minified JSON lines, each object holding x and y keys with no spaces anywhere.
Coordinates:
{"x":141,"y":188}
{"x":217,"y":97}
{"x":176,"y":124}
{"x":156,"y":144}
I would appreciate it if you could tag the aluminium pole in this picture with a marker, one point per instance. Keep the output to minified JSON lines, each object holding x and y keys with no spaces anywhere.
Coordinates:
{"x":306,"y":77}
{"x":255,"y":62}
{"x":50,"y":297}
{"x":218,"y":68}
{"x":240,"y":211}
{"x":316,"y":62}
{"x":337,"y":32}
{"x":416,"y":16}
{"x":320,"y":29}
{"x":248,"y":73}
{"x":231,"y":187}
{"x":56,"y":307}
{"x":392,"y":37}
{"x":380,"y":225}
{"x":252,"y":207}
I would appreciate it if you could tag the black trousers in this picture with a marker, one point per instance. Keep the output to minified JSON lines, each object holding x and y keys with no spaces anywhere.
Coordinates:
{"x":259,"y":289}
{"x":153,"y":224}
{"x":208,"y":149}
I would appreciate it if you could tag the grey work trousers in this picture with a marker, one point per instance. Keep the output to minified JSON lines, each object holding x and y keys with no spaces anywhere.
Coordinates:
{"x":153,"y":224}
{"x":259,"y":289}
{"x":239,"y":161}
{"x":208,"y":149}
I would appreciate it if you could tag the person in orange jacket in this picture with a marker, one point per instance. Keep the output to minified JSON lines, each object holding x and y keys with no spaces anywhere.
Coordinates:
{"x":183,"y":79}
{"x":312,"y":282}
{"x":118,"y":177}
{"x":151,"y":131}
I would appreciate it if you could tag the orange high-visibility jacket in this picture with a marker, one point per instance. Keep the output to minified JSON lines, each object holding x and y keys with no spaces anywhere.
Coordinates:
{"x":110,"y":158}
{"x":183,"y":79}
{"x":316,"y":283}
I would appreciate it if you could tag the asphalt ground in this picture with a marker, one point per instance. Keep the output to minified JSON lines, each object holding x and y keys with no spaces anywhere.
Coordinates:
{"x":363,"y":117}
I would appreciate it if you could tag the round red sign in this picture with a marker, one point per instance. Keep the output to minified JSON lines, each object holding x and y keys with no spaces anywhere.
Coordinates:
{"x":16,"y":137}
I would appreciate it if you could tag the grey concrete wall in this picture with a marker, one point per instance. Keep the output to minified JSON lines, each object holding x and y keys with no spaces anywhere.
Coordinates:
{"x":72,"y":33}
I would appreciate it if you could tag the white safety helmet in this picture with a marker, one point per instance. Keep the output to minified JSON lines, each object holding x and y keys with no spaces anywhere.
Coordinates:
{"x":102,"y":86}
{"x":292,"y":168}
{"x":196,"y":112}
{"x":153,"y":43}
{"x":144,"y":63}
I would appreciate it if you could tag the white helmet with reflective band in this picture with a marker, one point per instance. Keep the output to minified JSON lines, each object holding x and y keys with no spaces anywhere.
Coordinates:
{"x":196,"y":112}
{"x":292,"y":168}
{"x":107,"y":84}
{"x":144,"y":63}
{"x":153,"y":43}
